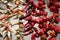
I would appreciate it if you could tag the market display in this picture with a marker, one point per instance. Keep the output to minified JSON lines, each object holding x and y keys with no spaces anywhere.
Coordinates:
{"x":25,"y":17}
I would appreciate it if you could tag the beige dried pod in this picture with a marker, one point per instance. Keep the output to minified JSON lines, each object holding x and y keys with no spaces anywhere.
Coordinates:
{"x":21,"y":37}
{"x":7,"y":38}
{"x":17,"y":2}
{"x":22,"y":25}
{"x":19,"y":32}
{"x":20,"y":12}
{"x":15,"y":10}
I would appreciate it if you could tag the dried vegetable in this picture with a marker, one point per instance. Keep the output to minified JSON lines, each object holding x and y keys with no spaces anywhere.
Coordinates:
{"x":10,"y":12}
{"x":24,"y":17}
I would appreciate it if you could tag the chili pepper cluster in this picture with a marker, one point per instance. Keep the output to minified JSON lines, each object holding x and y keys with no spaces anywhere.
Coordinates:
{"x":30,"y":17}
{"x":40,"y":24}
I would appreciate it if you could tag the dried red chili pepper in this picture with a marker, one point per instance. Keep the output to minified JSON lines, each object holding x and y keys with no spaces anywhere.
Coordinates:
{"x":36,"y":20}
{"x":45,"y":25}
{"x":33,"y":36}
{"x":44,"y":37}
{"x":41,"y":32}
{"x":29,"y":27}
{"x":52,"y":8}
{"x":41,"y":12}
{"x":35,"y":29}
{"x":50,"y":18}
{"x":40,"y":3}
{"x":45,"y":19}
{"x":53,"y":38}
{"x":28,"y":18}
{"x":31,"y":1}
{"x":40,"y":26}
{"x":55,"y":15}
{"x":56,"y":4}
{"x":57,"y":29}
{"x":56,"y":20}
{"x":28,"y":32}
{"x":52,"y":33}
{"x":45,"y":13}
{"x":51,"y":26}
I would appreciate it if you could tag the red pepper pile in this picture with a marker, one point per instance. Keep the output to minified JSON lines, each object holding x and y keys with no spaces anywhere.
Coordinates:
{"x":47,"y":24}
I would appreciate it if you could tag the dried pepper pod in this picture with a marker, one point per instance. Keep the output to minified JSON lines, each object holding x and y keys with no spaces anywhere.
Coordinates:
{"x":17,"y":2}
{"x":19,"y":32}
{"x":19,"y":37}
{"x":53,"y":38}
{"x":7,"y":37}
{"x":33,"y":36}
{"x":43,"y":37}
